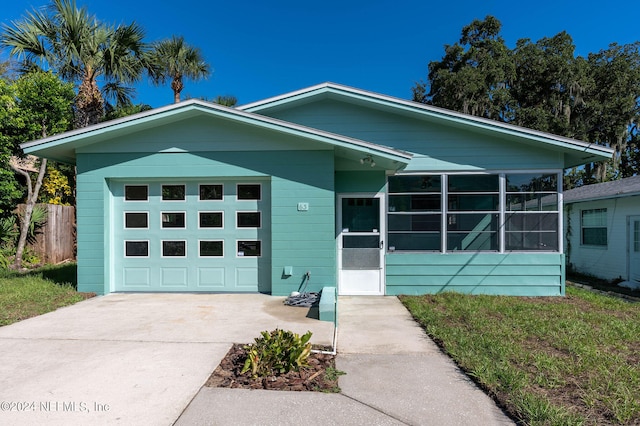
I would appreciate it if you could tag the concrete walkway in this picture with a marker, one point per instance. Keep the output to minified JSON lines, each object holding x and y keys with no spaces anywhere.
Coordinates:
{"x":395,"y":376}
{"x":142,"y":359}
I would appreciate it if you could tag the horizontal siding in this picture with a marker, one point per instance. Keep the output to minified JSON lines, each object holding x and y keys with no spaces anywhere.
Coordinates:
{"x":521,"y":274}
{"x":437,"y":147}
{"x":360,"y":181}
{"x":203,"y":134}
{"x":304,"y":240}
{"x":608,"y":262}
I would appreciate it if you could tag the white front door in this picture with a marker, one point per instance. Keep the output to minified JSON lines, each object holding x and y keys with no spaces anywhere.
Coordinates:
{"x":360,"y":244}
{"x":634,"y":248}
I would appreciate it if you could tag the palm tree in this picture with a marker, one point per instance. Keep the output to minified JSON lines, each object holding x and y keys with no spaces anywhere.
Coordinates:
{"x":175,"y":60}
{"x":80,"y":49}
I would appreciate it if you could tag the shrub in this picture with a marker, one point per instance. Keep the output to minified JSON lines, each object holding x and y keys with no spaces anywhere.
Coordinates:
{"x":277,"y":352}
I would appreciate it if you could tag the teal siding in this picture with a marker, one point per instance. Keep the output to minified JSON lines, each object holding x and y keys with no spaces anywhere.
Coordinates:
{"x":436,"y":146}
{"x":517,"y":274}
{"x":296,"y":176}
{"x":367,"y":181}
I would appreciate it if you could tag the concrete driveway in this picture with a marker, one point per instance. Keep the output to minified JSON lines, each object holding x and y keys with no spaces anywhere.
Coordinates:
{"x":130,"y":358}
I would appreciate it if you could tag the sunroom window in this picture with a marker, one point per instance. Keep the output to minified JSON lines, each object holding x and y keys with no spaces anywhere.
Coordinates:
{"x":415,"y":212}
{"x":473,"y":204}
{"x":531,"y":220}
{"x":473,"y":212}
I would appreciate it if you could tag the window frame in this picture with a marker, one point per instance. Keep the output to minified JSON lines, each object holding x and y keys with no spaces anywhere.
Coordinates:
{"x":162,"y":255}
{"x":124,"y":193}
{"x":605,"y":227}
{"x":200,"y":185}
{"x":184,"y":185}
{"x":212,"y":211}
{"x":162,"y":213}
{"x":210,"y":241}
{"x":124,"y":220}
{"x":238,"y":199}
{"x":502,"y":213}
{"x":258,"y":212}
{"x":259,"y":241}
{"x":136,"y":241}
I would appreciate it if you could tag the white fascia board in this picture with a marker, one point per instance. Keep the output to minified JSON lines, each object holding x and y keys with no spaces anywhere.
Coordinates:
{"x":433,"y":112}
{"x":223,"y":112}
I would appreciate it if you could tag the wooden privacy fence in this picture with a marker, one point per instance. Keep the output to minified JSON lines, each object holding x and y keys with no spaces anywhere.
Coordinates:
{"x":56,"y":240}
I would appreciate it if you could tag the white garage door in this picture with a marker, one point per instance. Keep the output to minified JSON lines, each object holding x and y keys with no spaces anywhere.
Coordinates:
{"x":191,"y":236}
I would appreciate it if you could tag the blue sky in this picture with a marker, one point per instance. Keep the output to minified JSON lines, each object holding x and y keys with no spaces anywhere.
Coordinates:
{"x":263,"y":49}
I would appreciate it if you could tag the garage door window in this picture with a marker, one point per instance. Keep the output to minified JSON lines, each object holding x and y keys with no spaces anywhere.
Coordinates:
{"x":173,"y":219}
{"x":174,"y":248}
{"x":136,"y":192}
{"x":173,"y":192}
{"x":248,"y":219}
{"x":211,"y":249}
{"x":249,"y":192}
{"x":249,"y":249}
{"x":136,"y":248}
{"x":211,"y":220}
{"x":211,"y":192}
{"x":136,"y":220}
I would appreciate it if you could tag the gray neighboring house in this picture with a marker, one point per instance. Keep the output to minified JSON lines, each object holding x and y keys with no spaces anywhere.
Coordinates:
{"x":602,"y":224}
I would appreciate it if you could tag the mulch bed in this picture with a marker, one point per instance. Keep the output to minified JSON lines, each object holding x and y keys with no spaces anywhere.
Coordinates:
{"x":311,"y":378}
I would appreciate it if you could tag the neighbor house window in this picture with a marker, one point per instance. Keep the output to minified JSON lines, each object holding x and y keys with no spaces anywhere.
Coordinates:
{"x":473,"y":212}
{"x":594,"y":227}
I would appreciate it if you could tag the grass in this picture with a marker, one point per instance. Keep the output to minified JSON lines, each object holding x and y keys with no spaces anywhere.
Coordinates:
{"x":25,"y":295}
{"x":546,"y":361}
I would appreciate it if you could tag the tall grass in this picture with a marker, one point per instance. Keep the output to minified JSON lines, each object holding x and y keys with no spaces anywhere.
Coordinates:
{"x":548,"y":361}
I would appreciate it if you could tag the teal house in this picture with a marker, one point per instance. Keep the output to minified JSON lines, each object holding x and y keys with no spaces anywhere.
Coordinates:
{"x":372,"y":194}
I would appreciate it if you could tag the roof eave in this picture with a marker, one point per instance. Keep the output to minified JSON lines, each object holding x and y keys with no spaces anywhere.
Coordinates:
{"x":50,"y":144}
{"x":594,"y":151}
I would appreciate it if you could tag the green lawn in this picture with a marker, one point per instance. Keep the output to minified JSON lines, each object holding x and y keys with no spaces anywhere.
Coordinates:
{"x":24,"y":295}
{"x":547,"y":361}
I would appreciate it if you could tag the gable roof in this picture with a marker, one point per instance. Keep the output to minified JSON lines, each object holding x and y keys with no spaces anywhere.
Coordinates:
{"x":62,"y":147}
{"x":615,"y":189}
{"x":575,"y":152}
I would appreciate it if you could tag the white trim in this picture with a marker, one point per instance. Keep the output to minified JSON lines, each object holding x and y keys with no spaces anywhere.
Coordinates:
{"x":162,"y":185}
{"x":249,"y":211}
{"x":242,"y":200}
{"x":124,"y":193}
{"x":136,"y":241}
{"x":426,"y":110}
{"x":251,"y":240}
{"x":381,"y":232}
{"x":124,"y":220}
{"x":173,"y":241}
{"x":211,"y":227}
{"x":200,"y":200}
{"x":211,"y":241}
{"x":162,"y":213}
